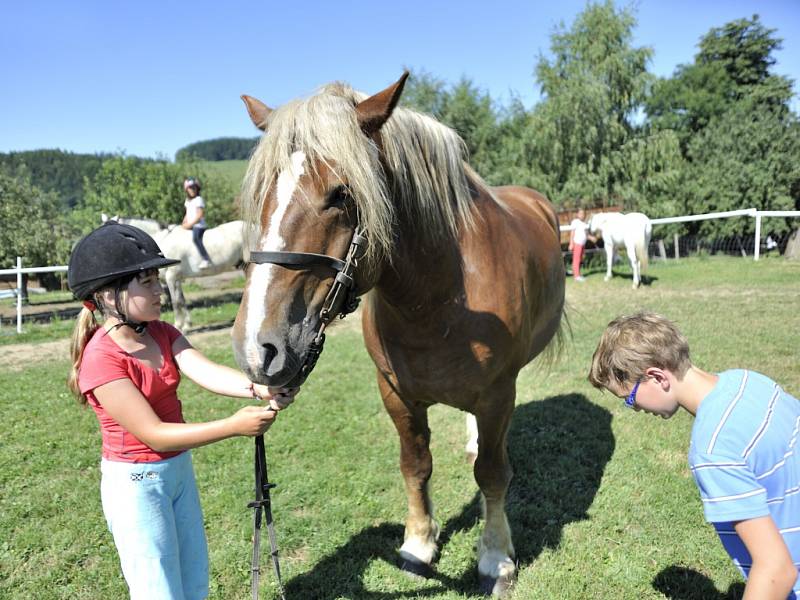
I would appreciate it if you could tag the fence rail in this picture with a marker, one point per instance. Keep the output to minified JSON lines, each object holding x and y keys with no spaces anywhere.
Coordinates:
{"x":19,"y":271}
{"x":745,"y":212}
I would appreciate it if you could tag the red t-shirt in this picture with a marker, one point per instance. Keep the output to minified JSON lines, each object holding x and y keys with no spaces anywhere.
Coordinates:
{"x":104,"y":361}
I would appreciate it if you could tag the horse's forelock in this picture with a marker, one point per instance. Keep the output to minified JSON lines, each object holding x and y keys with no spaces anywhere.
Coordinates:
{"x":426,"y":160}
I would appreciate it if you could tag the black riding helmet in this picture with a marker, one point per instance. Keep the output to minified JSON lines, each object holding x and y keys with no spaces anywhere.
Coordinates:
{"x":112,"y":253}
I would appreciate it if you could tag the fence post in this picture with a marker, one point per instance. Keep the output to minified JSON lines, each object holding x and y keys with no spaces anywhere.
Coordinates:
{"x":677,"y":252}
{"x":662,"y":250}
{"x":757,"y":249}
{"x":19,"y":294}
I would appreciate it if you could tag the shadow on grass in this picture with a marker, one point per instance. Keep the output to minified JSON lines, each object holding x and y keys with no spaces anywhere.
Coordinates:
{"x":558,"y":447}
{"x":682,"y":583}
{"x":645,"y":280}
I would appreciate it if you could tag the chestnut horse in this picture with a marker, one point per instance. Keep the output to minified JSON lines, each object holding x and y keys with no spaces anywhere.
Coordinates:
{"x":467,"y":282}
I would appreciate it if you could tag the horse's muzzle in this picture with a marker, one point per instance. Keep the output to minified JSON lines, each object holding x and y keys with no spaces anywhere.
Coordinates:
{"x":282,"y":366}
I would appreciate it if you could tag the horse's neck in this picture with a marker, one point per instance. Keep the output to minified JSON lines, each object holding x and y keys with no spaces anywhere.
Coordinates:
{"x":421,"y":278}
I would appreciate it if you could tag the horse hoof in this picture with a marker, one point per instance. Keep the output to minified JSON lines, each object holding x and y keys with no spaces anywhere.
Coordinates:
{"x":415,"y":567}
{"x":496,"y":587}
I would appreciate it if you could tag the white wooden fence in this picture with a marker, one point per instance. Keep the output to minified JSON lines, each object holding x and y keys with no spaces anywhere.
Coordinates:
{"x":745,"y":212}
{"x":19,"y":271}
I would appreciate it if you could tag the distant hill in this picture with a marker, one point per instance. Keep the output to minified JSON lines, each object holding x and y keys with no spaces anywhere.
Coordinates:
{"x":225,"y":148}
{"x":232,"y":171}
{"x":55,"y":170}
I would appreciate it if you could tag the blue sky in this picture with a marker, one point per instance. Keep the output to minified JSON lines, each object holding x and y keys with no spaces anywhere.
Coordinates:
{"x":150,"y":77}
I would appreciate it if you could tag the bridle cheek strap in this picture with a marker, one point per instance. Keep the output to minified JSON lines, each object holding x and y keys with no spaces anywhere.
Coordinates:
{"x":342,"y":298}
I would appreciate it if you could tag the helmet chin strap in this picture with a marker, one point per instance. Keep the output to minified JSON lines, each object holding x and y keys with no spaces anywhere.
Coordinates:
{"x":138,"y":327}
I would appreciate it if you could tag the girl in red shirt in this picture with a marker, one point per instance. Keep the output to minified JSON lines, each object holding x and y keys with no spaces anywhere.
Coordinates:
{"x":127,"y":368}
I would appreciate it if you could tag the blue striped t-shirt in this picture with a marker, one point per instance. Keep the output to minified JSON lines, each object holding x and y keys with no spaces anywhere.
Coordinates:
{"x":745,"y":460}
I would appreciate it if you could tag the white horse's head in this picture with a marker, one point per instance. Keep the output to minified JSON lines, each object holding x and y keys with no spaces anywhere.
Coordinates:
{"x":597,"y":222}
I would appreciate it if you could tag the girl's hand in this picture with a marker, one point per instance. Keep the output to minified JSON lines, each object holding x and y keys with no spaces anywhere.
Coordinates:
{"x":279,"y":398}
{"x":252,"y":420}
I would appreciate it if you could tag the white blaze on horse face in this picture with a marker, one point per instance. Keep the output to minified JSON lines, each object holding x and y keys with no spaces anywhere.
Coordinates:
{"x":261,"y":275}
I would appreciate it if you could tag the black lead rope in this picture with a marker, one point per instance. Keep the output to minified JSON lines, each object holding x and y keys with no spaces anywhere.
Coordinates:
{"x":262,"y":502}
{"x":342,"y":299}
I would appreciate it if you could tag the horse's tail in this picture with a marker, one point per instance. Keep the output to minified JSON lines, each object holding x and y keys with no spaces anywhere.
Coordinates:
{"x":554,"y":350}
{"x":643,"y":245}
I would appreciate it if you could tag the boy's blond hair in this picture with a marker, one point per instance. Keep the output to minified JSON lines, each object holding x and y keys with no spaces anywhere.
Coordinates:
{"x":632,"y":343}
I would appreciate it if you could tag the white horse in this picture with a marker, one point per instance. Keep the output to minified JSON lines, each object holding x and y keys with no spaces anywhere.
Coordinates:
{"x":223,"y":243}
{"x":630,"y":231}
{"x":149,"y":226}
{"x":224,"y":246}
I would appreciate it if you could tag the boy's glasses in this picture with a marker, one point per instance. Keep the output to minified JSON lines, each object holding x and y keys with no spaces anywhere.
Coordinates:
{"x":631,"y":399}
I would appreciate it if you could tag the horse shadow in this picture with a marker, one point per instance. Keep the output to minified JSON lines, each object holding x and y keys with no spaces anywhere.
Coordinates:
{"x":558,"y":447}
{"x":682,"y":583}
{"x":645,"y":278}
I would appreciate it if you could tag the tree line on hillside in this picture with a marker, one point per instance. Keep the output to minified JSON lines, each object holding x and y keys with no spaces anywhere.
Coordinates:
{"x":717,"y":135}
{"x":224,"y":148}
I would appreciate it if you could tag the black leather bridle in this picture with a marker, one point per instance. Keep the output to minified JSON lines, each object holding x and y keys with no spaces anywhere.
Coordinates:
{"x":342,"y":299}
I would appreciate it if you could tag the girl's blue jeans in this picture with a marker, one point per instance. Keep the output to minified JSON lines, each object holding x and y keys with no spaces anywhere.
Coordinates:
{"x":197,"y":238}
{"x":153,"y":511}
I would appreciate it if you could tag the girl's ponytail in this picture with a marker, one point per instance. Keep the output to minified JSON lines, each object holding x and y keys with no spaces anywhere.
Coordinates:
{"x":83,"y":332}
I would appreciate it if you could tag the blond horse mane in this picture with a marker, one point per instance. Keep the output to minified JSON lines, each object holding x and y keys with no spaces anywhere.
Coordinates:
{"x":430,"y":177}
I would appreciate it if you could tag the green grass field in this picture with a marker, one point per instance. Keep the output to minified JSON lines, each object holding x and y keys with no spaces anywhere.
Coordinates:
{"x":602,"y":504}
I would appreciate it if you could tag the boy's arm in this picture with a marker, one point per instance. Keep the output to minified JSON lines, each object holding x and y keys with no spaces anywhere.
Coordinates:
{"x":773,"y":573}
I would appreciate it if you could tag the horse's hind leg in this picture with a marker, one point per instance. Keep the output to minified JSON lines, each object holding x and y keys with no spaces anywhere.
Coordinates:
{"x":635,"y":264}
{"x":416,"y":464}
{"x":496,"y":567}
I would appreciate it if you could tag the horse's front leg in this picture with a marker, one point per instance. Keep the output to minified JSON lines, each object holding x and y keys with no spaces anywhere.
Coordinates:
{"x":416,"y":464}
{"x":496,"y":567}
{"x":609,"y":260}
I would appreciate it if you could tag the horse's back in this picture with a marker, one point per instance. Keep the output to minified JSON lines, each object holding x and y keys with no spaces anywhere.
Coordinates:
{"x":521,"y":275}
{"x":223,"y":243}
{"x":527,"y":203}
{"x":638,"y":226}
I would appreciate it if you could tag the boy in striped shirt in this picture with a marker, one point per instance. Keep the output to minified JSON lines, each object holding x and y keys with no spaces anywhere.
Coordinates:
{"x":743,"y":452}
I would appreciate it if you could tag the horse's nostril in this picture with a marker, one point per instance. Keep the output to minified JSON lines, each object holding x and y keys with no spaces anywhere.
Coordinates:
{"x":270,"y":352}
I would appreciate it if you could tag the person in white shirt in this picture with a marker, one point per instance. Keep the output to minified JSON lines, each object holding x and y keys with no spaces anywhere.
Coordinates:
{"x":195,"y":218}
{"x":577,"y":242}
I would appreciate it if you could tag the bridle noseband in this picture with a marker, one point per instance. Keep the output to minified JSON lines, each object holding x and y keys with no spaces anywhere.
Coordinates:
{"x":342,"y":298}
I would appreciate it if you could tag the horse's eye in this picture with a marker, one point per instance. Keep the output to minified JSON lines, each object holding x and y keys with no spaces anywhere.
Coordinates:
{"x":338,"y":197}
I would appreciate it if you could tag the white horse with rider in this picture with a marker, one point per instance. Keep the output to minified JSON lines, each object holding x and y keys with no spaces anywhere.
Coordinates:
{"x":631,"y":231}
{"x":223,"y":243}
{"x":149,"y":226}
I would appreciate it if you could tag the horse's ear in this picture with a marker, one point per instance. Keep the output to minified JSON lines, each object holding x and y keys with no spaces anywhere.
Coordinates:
{"x":375,"y":110}
{"x":258,"y":111}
